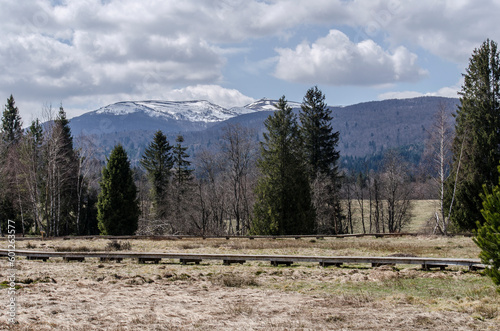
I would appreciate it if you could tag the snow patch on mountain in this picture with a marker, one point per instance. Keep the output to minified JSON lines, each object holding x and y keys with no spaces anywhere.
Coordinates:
{"x":265,"y":104}
{"x":192,"y":111}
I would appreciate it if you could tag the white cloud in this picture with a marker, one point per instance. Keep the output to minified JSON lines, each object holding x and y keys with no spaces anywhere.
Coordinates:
{"x":335,"y":60}
{"x":448,"y":92}
{"x":87,"y":51}
{"x":91,"y":52}
{"x":449,"y":29}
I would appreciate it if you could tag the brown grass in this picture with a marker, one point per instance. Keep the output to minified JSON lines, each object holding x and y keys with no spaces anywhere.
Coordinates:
{"x":421,"y":212}
{"x":93,"y":295}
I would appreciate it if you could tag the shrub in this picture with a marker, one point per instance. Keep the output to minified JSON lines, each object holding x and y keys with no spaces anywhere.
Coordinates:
{"x":115,"y":245}
{"x":29,"y":245}
{"x":232,"y":280}
{"x":487,"y":236}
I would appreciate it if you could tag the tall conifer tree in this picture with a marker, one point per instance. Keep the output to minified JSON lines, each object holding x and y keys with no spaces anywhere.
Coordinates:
{"x":283,"y":203}
{"x":182,"y":186}
{"x":182,"y":171}
{"x":117,"y":207}
{"x":320,"y":149}
{"x":10,"y":134}
{"x":476,"y":145}
{"x":158,"y":162}
{"x":11,"y":123}
{"x":62,"y":176}
{"x":320,"y":141}
{"x":487,"y":236}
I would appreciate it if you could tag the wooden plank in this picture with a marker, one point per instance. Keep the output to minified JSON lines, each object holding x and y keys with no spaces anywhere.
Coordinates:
{"x":143,"y":260}
{"x":328,"y":264}
{"x":475,"y":267}
{"x":276,"y":263}
{"x":229,"y":262}
{"x":376,"y":265}
{"x":186,"y":261}
{"x":73,"y":258}
{"x":428,"y":267}
{"x":107,"y":259}
{"x":36,"y":257}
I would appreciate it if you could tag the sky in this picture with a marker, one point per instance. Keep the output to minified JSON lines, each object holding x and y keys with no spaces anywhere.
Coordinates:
{"x":87,"y":54}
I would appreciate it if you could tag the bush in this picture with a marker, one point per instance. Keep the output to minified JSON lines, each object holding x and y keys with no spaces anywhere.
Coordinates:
{"x":232,"y":280}
{"x":488,"y":236}
{"x":29,"y":245}
{"x":118,"y":246}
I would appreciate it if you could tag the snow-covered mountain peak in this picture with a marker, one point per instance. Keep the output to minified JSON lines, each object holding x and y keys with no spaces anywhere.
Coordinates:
{"x":194,"y":111}
{"x":199,"y":111}
{"x":265,"y":104}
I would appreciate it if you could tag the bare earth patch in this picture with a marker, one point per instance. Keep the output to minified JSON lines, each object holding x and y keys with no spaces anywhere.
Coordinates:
{"x":91,"y":295}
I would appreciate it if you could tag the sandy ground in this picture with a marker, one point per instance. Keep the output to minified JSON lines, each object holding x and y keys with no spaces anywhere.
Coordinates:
{"x":169,"y":296}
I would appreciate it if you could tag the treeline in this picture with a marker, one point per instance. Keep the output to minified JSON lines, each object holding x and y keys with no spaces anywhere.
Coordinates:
{"x":291,"y":182}
{"x":45,"y":184}
{"x":239,"y":187}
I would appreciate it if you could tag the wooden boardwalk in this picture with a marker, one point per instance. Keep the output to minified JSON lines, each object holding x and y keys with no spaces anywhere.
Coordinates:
{"x":227,"y":259}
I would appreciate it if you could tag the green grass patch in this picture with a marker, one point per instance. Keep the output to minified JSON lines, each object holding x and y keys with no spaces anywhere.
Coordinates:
{"x":470,"y":293}
{"x":6,"y":284}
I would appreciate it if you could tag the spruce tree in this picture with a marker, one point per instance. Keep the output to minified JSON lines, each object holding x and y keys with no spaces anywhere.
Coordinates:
{"x":62,"y":167}
{"x":283,"y":195}
{"x":117,"y":205}
{"x":182,"y":171}
{"x":10,"y":134}
{"x":320,"y":142}
{"x":158,"y":162}
{"x":11,"y":123}
{"x":182,"y":186}
{"x":476,"y":152}
{"x":487,"y":236}
{"x":320,"y":149}
{"x":62,"y":123}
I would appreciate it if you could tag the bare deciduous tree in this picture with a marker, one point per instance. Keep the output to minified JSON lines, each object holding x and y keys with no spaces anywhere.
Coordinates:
{"x":359,"y":192}
{"x":86,"y":167}
{"x":376,"y":203}
{"x":397,"y":192}
{"x":439,"y":152}
{"x":238,"y":154}
{"x":211,"y":192}
{"x":321,"y":199}
{"x":60,"y":177}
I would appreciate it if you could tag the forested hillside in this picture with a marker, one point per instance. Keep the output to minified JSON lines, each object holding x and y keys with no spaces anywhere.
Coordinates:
{"x":366,"y":129}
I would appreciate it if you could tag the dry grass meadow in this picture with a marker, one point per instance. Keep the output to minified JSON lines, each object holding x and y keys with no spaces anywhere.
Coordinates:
{"x":94,"y":295}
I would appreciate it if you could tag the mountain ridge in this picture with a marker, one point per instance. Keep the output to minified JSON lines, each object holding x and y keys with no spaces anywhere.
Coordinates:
{"x":366,"y":128}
